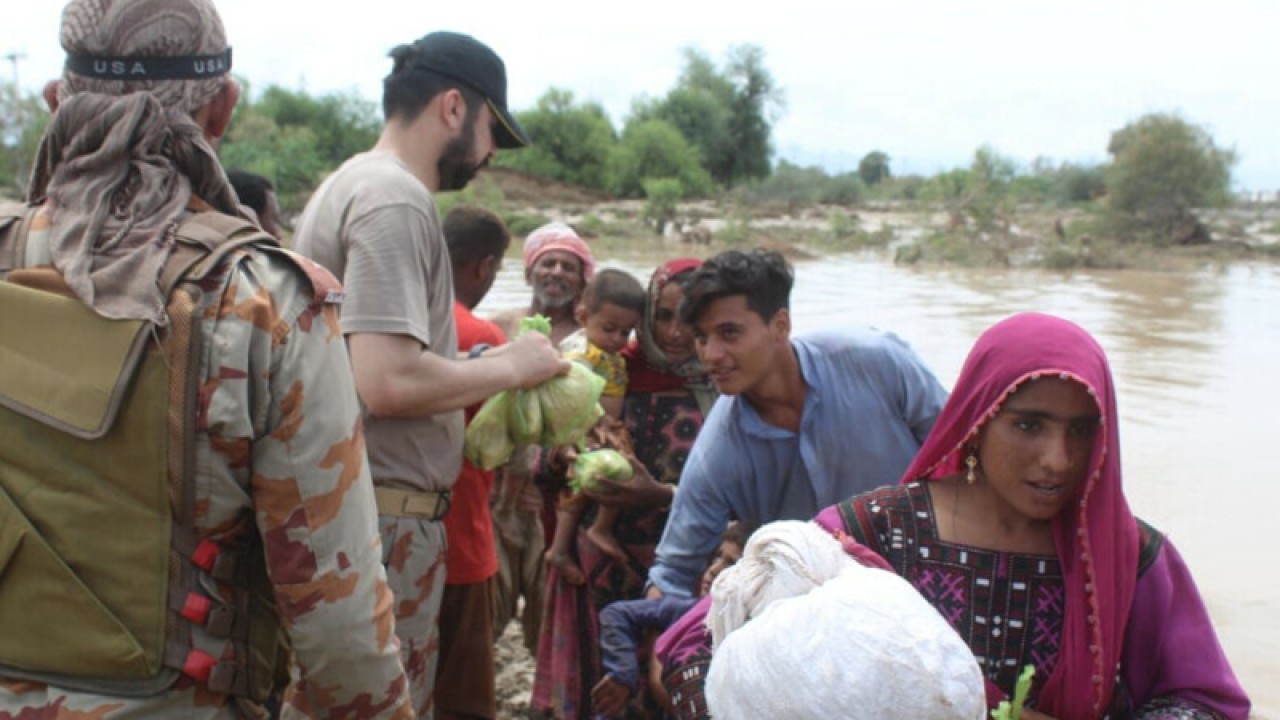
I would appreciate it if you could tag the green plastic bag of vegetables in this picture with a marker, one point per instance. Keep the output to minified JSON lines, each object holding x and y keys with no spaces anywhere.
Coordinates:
{"x":525,"y":416}
{"x":558,"y":412}
{"x":510,"y":418}
{"x":591,"y":466}
{"x":570,"y":405}
{"x":488,"y":442}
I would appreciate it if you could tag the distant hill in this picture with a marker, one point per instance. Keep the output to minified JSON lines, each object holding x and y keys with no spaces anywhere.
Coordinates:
{"x":522,"y":188}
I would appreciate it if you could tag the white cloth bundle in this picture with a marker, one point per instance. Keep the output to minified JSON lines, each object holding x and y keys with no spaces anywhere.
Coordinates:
{"x":863,"y":644}
{"x":781,"y":560}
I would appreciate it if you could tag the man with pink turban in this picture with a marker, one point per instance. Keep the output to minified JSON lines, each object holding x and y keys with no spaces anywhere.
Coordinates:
{"x":557,"y":266}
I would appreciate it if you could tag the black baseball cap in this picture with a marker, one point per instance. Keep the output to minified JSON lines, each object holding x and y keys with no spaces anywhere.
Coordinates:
{"x":472,"y":63}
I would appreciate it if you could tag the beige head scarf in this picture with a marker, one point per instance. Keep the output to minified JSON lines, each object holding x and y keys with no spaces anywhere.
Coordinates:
{"x":121,"y":159}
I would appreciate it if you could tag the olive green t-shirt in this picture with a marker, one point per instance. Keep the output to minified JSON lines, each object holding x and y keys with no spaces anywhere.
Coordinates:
{"x":375,"y":226}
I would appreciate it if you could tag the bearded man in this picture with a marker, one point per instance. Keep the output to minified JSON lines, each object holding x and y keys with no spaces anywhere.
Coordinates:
{"x":557,"y":265}
{"x":374,"y":223}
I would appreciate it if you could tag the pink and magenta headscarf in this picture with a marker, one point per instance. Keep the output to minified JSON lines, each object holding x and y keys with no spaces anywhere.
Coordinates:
{"x":558,"y":236}
{"x":1096,"y":535}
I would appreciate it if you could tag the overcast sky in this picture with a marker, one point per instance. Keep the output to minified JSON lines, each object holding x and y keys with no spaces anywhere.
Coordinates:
{"x":927,"y":81}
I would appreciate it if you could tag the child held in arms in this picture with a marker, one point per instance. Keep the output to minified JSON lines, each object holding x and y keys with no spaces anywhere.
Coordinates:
{"x":611,"y":307}
{"x":623,"y":623}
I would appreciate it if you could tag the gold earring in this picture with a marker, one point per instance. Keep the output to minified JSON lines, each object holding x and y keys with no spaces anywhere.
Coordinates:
{"x":971,"y":462}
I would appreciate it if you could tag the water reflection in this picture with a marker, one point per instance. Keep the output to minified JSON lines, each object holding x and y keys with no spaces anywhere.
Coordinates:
{"x":1194,"y":357}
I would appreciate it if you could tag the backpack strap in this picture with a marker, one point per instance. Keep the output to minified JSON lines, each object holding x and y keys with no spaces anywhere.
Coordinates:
{"x":205,"y":239}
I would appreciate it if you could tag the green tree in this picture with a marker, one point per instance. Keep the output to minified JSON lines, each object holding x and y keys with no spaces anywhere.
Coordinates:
{"x":756,"y":103}
{"x":571,"y":141}
{"x":1163,"y":166}
{"x":1074,"y":184}
{"x":654,"y":149}
{"x":23,"y":119}
{"x":342,"y":124}
{"x":699,"y":112}
{"x":873,"y":168}
{"x":289,"y":156}
{"x":662,"y":196}
{"x":987,"y":196}
{"x":293,"y":138}
{"x":796,"y":185}
{"x":728,"y":115}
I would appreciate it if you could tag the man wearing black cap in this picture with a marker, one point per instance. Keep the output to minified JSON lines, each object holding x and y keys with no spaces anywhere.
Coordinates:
{"x":375,"y":225}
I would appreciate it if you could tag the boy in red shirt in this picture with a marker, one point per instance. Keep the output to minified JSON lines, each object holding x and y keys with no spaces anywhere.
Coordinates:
{"x":477,"y":240}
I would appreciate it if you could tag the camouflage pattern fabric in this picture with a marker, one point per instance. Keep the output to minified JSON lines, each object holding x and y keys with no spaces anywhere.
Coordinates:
{"x":280,"y":453}
{"x":414,"y":552}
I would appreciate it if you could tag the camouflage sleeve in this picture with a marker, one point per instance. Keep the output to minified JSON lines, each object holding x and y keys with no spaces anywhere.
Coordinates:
{"x":312,"y":493}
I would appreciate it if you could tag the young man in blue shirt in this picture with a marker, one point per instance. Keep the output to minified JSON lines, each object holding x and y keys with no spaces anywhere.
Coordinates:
{"x":802,"y":423}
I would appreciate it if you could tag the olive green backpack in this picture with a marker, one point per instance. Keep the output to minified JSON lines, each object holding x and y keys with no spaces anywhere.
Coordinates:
{"x":101,"y":571}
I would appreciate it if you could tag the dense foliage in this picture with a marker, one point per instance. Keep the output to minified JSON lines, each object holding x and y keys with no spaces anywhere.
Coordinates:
{"x":295,"y":139}
{"x":23,"y":119}
{"x":572,"y":141}
{"x":1162,"y":167}
{"x":711,"y":133}
{"x":873,"y":168}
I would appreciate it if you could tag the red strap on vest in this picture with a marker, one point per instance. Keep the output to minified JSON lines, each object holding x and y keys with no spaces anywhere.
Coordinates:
{"x":206,"y":554}
{"x":196,"y":608}
{"x":199,"y":665}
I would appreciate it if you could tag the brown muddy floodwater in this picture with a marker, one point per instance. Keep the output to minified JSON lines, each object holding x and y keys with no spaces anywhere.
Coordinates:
{"x":1195,"y":357}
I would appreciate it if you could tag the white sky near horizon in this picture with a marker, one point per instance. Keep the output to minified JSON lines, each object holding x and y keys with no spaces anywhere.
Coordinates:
{"x":927,"y":81}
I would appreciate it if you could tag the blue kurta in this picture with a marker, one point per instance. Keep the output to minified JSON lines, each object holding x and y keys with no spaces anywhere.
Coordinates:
{"x":869,"y":404}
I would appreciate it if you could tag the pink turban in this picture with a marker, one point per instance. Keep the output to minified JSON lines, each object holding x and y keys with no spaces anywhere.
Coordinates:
{"x":558,"y":236}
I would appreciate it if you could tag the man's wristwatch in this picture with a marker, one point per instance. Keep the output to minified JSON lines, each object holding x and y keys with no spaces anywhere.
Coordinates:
{"x":477,"y":350}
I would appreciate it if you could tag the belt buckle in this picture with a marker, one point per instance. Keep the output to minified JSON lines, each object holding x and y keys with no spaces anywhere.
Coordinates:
{"x":444,"y":501}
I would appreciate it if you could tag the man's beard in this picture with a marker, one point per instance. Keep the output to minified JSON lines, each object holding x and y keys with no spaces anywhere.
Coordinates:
{"x":454,"y":166}
{"x":552,"y":302}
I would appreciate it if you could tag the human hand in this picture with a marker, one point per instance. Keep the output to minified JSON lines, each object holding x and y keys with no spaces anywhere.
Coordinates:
{"x":560,"y":460}
{"x":609,"y":697}
{"x":640,"y":491}
{"x":533,"y":360}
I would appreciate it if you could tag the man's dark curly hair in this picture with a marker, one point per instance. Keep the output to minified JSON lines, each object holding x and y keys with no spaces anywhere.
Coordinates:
{"x":763,"y":276}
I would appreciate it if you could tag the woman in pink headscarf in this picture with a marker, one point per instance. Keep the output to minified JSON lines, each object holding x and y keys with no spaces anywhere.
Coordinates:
{"x":1013,"y":523}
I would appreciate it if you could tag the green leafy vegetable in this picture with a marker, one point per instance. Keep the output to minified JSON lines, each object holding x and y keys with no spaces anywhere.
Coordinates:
{"x":560,"y":411}
{"x":570,"y":405}
{"x":539,"y":323}
{"x":525,"y":417}
{"x":590,"y":467}
{"x":1007,"y":711}
{"x":488,"y":442}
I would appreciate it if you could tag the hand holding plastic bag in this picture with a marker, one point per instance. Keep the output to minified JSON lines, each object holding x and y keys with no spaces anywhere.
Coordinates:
{"x":560,"y":411}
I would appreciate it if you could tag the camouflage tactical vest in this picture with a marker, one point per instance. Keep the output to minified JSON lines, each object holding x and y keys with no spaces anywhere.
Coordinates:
{"x":101,"y":570}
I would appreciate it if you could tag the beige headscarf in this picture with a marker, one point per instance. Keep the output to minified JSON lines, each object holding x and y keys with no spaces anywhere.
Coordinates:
{"x":121,"y":159}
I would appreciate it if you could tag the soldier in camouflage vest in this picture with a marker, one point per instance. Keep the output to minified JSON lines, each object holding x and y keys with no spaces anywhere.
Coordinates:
{"x":213,"y":414}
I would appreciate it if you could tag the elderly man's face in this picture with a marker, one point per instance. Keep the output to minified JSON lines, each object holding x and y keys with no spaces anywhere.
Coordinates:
{"x":556,"y":278}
